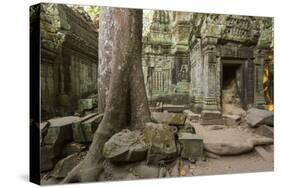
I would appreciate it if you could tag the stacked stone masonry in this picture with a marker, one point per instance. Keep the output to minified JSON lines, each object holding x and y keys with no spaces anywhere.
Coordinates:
{"x":69,"y":58}
{"x":198,"y":59}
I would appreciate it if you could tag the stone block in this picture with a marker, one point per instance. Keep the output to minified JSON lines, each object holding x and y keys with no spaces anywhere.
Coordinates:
{"x":211,"y":118}
{"x":60,"y":130}
{"x":173,"y":108}
{"x":231,"y":119}
{"x":192,"y":145}
{"x":125,"y":146}
{"x":173,"y":119}
{"x":257,"y":117}
{"x":160,"y":139}
{"x":83,"y":131}
{"x":86,"y":104}
{"x":65,"y":165}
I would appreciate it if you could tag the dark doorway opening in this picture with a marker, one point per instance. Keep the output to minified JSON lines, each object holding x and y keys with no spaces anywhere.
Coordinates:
{"x":232,"y":84}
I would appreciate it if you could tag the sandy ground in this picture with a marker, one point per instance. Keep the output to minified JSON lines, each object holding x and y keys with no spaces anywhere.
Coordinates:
{"x":250,"y":162}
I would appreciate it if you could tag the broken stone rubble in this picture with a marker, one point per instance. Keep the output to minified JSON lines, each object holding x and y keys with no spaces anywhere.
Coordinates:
{"x":257,"y":117}
{"x":84,"y":130}
{"x":125,"y":146}
{"x":57,"y":136}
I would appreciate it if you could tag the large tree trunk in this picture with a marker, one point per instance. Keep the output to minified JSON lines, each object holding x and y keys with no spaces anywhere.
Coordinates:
{"x":126,"y":103}
{"x":105,"y":56}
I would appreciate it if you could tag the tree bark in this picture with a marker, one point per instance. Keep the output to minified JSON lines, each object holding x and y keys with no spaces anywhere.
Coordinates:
{"x":126,"y":102}
{"x":106,"y":26}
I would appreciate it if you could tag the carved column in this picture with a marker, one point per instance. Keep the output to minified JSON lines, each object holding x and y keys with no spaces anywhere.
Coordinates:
{"x":211,"y":79}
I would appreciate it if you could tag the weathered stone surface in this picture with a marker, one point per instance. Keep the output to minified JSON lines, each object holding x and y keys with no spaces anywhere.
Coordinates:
{"x":192,"y":116}
{"x":47,"y":157}
{"x":206,"y":37}
{"x":192,"y":145}
{"x":65,"y":165}
{"x":160,"y":139}
{"x":83,"y":131}
{"x":173,"y":108}
{"x":69,"y":58}
{"x":231,"y":119}
{"x":265,"y":130}
{"x":174,"y":119}
{"x":178,"y":120}
{"x":257,"y":117}
{"x":60,"y":130}
{"x":86,"y":104}
{"x":146,"y":171}
{"x":71,"y":148}
{"x":125,"y":146}
{"x":232,"y":140}
{"x":235,"y":148}
{"x":211,"y":118}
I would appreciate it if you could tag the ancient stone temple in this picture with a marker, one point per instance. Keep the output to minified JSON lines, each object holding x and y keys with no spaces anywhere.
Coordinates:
{"x":208,"y":60}
{"x":166,"y":59}
{"x":69,"y":57}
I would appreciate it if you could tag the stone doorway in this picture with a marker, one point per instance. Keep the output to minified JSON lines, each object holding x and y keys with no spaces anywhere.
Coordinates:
{"x":231,"y":86}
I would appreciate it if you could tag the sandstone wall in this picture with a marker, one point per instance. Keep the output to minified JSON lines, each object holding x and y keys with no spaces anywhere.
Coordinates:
{"x":69,"y":58}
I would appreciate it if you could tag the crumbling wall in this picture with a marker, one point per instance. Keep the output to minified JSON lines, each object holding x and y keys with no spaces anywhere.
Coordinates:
{"x":69,"y":58}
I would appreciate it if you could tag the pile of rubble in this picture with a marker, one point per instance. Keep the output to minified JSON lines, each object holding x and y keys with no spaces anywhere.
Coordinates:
{"x":161,"y":141}
{"x":162,"y":148}
{"x":64,"y":142}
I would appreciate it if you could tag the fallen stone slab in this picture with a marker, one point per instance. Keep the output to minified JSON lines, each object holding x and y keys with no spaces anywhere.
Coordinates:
{"x":257,"y":117}
{"x":65,"y":165}
{"x":231,"y":119}
{"x":160,"y":139}
{"x":235,"y":148}
{"x":191,"y":116}
{"x":83,"y":131}
{"x":265,"y":130}
{"x":231,"y":140}
{"x":125,"y":146}
{"x":211,"y":118}
{"x":60,"y":130}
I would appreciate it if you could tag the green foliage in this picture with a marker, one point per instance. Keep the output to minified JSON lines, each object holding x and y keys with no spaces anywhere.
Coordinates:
{"x":94,"y":12}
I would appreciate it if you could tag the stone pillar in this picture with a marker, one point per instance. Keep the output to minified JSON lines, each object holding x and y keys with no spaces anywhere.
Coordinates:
{"x":196,"y":76}
{"x":258,"y":71}
{"x":211,"y":79}
{"x":211,"y":114}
